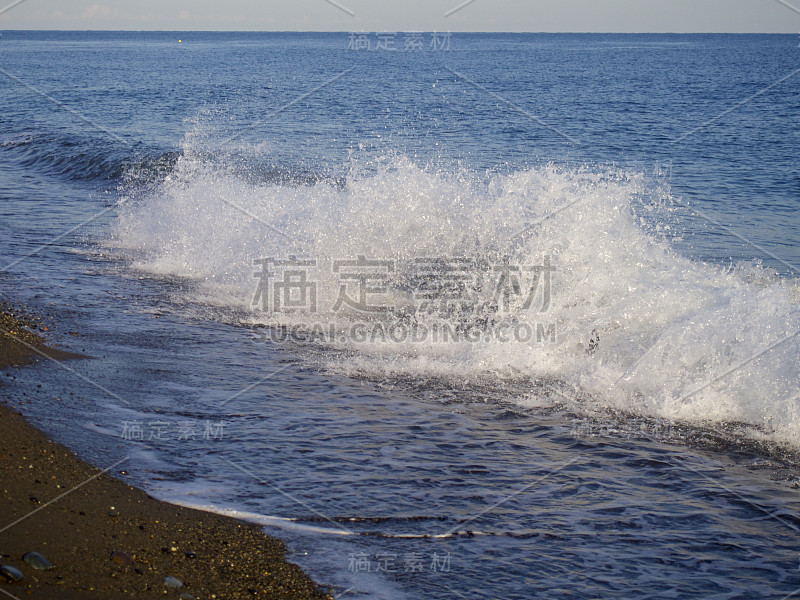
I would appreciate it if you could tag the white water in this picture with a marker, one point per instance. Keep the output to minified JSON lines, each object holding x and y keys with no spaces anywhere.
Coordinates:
{"x":679,"y":339}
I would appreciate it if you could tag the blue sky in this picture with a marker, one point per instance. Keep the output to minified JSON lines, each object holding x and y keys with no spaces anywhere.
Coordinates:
{"x":780,"y":16}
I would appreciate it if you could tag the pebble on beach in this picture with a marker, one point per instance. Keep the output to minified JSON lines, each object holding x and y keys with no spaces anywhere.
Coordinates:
{"x":172,"y":582}
{"x":122,"y":558}
{"x":11,"y":573}
{"x":37,"y":561}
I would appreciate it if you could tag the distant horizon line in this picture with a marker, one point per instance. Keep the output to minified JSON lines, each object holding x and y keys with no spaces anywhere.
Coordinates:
{"x":189,"y":31}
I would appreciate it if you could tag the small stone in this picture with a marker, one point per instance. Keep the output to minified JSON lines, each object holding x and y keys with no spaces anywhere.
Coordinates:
{"x":191,"y":555}
{"x":186,"y":596}
{"x":11,"y":573}
{"x":122,"y":558}
{"x":171,"y":582}
{"x":37,"y":561}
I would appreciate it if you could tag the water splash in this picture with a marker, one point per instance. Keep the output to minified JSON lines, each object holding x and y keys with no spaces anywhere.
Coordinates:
{"x":622,"y":317}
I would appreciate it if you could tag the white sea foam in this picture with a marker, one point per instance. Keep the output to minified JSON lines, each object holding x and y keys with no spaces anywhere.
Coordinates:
{"x":678,"y":338}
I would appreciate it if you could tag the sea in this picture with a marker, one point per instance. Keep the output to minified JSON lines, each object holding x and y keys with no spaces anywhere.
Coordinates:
{"x":475,"y":316}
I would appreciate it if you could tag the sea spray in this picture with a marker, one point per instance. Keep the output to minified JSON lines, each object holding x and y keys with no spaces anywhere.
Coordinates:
{"x":628,"y":320}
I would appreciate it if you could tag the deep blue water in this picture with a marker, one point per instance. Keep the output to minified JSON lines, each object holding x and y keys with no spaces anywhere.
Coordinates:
{"x":141,"y":177}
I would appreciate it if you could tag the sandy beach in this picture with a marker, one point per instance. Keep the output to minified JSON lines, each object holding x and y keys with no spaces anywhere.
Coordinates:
{"x":104,"y":538}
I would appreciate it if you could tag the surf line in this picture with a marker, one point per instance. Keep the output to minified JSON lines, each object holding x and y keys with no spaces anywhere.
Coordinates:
{"x":294,"y":524}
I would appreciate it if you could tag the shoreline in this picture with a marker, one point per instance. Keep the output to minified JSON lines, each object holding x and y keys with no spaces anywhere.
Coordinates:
{"x":76,"y":516}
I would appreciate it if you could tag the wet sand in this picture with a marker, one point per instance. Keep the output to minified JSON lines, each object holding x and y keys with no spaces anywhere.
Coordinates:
{"x":76,"y":517}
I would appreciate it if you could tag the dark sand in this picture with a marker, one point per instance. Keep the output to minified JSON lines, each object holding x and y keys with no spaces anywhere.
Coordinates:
{"x":61,"y":507}
{"x":20,"y":344}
